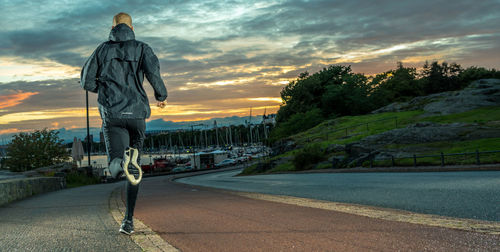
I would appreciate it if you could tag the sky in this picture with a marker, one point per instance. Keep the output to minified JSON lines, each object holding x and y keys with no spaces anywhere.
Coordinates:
{"x":221,"y":58}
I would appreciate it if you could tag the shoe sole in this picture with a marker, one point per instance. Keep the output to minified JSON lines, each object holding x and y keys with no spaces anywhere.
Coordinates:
{"x":125,"y":232}
{"x":130,"y":156}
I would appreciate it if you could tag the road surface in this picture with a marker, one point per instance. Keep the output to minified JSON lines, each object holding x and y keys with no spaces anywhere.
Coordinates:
{"x":193,"y":218}
{"x":474,"y":195}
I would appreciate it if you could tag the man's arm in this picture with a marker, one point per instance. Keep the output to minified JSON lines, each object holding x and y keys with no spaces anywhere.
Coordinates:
{"x":89,"y":72}
{"x":151,"y":68}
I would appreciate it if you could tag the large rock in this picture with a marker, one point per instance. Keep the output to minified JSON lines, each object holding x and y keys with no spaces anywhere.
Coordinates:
{"x":425,"y":132}
{"x":480,"y":93}
{"x":375,"y":146}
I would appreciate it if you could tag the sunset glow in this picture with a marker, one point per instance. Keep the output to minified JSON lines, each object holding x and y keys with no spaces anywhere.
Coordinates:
{"x":221,"y":58}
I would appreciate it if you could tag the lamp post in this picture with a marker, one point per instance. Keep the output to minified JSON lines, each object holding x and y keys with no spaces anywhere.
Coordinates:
{"x":88,"y":130}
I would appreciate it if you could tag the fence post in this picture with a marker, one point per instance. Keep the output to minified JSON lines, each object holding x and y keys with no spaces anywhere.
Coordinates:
{"x":442,"y":159}
{"x":371,"y":162}
{"x":396,"y":119}
{"x":345,"y":131}
{"x":414,"y":160}
{"x":367,"y":126}
{"x":478,"y":162}
{"x":392,"y":161}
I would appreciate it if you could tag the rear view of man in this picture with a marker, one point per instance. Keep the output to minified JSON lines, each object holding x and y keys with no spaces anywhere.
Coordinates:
{"x":115,"y":71}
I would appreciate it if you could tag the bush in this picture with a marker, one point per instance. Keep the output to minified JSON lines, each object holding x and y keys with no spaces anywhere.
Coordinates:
{"x":306,"y":158}
{"x":75,"y":179}
{"x":41,"y":148}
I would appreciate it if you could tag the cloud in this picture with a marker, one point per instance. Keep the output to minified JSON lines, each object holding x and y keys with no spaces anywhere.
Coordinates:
{"x":15,"y":99}
{"x":218,"y":58}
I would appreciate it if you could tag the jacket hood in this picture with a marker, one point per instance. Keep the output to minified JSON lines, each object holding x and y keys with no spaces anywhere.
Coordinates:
{"x":121,"y":32}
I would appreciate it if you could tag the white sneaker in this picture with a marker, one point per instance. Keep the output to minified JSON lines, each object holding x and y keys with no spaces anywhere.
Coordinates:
{"x":130,"y":157}
{"x":115,"y":169}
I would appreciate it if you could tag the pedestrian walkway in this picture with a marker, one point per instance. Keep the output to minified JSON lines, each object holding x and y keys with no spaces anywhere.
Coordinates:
{"x":75,"y":219}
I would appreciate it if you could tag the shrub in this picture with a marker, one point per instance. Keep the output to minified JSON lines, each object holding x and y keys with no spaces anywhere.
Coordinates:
{"x":306,"y":158}
{"x":40,"y":148}
{"x":75,"y":179}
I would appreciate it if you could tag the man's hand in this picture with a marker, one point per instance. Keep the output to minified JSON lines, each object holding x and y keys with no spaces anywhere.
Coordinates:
{"x":161,"y":104}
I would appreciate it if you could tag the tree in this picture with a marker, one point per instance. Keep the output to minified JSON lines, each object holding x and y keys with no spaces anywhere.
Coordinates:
{"x":348,"y":98}
{"x":395,"y":85}
{"x":475,"y":73}
{"x":305,"y":93}
{"x":440,"y":77}
{"x":41,"y":148}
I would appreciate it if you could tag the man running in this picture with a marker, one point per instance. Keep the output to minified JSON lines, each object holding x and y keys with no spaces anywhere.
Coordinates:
{"x":115,"y":71}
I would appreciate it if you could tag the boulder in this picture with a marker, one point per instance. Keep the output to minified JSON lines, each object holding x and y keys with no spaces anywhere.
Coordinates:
{"x":424,"y":132}
{"x":480,"y":93}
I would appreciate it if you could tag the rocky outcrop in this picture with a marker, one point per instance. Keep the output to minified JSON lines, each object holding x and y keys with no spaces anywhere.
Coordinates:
{"x":374,"y":147}
{"x":425,"y":132}
{"x":480,"y":93}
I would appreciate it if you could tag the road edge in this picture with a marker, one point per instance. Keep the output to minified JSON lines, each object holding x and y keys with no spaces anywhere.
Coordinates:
{"x":143,"y":236}
{"x":487,"y":227}
{"x":478,"y":226}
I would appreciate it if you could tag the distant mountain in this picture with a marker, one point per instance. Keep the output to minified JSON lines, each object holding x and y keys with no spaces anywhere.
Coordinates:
{"x":159,"y":124}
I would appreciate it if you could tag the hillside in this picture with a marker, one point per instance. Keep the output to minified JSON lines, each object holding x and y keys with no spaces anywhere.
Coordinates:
{"x":467,"y":121}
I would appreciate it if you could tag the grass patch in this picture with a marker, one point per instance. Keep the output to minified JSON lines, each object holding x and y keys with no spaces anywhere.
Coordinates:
{"x":467,"y":159}
{"x":76,"y":179}
{"x":447,"y":147}
{"x":481,"y":116}
{"x":485,"y":144}
{"x":324,"y":166}
{"x":333,"y":131}
{"x":287,"y":166}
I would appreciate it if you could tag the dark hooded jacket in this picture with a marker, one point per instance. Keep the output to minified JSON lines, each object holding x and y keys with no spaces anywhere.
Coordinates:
{"x":116,"y":70}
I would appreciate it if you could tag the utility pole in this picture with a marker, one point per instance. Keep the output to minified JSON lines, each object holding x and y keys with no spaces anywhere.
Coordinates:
{"x":88,"y":126}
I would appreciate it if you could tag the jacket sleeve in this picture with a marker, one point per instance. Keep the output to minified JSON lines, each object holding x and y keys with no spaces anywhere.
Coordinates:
{"x":151,"y":68}
{"x":88,"y":76}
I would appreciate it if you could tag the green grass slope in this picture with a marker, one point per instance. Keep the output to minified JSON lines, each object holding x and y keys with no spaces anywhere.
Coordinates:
{"x":350,"y":129}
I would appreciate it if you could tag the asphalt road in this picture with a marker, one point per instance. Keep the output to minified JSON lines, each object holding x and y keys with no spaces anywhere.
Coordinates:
{"x":75,"y":219}
{"x":474,"y":195}
{"x":193,"y":218}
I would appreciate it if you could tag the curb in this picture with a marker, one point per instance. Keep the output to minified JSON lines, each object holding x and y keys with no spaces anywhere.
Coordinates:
{"x":143,"y":236}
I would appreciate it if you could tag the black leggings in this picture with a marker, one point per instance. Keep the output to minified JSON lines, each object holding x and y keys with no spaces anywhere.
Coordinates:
{"x":118,"y":135}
